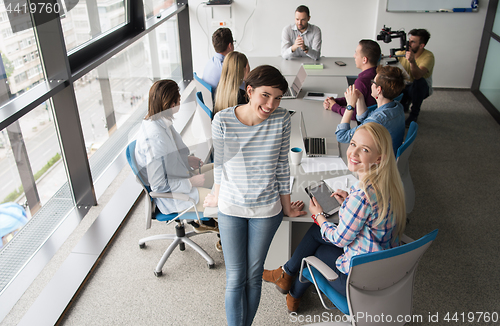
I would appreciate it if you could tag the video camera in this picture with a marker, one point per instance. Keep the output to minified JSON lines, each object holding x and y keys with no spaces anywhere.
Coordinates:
{"x":386,"y":35}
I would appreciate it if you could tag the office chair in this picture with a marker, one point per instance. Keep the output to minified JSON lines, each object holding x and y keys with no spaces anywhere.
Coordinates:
{"x":207,"y":91}
{"x":397,"y":99}
{"x":201,"y":103}
{"x":379,"y":283}
{"x":152,"y":212}
{"x":402,"y":158}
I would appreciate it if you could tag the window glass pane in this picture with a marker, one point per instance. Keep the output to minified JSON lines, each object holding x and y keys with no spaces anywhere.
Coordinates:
{"x":496,"y":25}
{"x":30,"y":151}
{"x":154,"y":7}
{"x":115,"y":94}
{"x":490,"y":81}
{"x":20,"y":66}
{"x":90,"y":18}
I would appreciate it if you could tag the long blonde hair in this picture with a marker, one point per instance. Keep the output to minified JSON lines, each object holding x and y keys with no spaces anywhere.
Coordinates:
{"x":233,"y":72}
{"x":385,"y":179}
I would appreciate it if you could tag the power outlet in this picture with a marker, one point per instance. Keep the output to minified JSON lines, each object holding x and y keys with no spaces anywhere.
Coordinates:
{"x":220,"y":23}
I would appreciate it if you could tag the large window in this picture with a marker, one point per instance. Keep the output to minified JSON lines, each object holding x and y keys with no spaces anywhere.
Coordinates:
{"x":154,"y":7}
{"x":490,"y":82}
{"x":31,"y":140}
{"x":20,"y":67}
{"x":486,"y":83}
{"x":59,"y":135}
{"x":91,"y":18}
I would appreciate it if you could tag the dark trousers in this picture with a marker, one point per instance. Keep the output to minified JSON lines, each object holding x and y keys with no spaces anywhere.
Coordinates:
{"x":415,"y":93}
{"x":313,"y":245}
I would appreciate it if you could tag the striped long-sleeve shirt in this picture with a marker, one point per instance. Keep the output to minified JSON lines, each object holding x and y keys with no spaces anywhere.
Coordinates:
{"x":251,"y":163}
{"x":356,"y":231}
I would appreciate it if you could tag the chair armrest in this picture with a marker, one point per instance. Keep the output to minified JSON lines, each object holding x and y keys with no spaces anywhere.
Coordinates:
{"x":321,"y":267}
{"x":174,"y":195}
{"x":405,"y":239}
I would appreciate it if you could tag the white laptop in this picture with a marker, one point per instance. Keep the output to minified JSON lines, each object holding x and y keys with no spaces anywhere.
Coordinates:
{"x":294,"y":90}
{"x":324,"y":147}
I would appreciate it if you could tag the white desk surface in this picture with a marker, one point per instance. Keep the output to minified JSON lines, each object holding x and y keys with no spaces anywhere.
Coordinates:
{"x":319,"y":122}
{"x":291,"y":67}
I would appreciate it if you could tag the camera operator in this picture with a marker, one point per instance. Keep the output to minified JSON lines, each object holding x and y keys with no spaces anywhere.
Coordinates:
{"x":418,"y":63}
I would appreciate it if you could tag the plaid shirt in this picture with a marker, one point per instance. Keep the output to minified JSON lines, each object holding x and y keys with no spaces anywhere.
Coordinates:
{"x":356,"y":232}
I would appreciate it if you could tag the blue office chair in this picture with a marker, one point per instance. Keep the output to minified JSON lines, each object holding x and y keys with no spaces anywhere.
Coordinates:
{"x":379,"y":283}
{"x":397,"y":99}
{"x":201,"y":103}
{"x":402,"y":157}
{"x":152,"y":213}
{"x":207,"y":91}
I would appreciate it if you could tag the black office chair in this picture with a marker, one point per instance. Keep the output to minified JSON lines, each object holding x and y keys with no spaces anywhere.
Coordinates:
{"x":153,"y":213}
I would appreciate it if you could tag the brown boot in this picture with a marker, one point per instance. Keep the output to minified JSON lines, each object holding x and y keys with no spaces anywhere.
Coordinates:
{"x":278,"y":276}
{"x":292,"y":304}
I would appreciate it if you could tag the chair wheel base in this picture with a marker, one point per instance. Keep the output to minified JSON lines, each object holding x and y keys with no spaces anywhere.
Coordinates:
{"x":158,"y":274}
{"x":142,"y":245}
{"x":211,"y":266}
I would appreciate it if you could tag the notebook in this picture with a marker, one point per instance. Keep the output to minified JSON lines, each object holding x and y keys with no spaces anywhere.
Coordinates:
{"x":294,"y":90}
{"x":318,"y":146}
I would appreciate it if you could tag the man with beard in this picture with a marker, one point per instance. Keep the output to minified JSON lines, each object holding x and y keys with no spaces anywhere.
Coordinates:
{"x":418,"y":63}
{"x":301,"y":39}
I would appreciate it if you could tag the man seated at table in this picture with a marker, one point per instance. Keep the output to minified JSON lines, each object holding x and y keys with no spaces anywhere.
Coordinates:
{"x":387,"y":84}
{"x":301,"y":39}
{"x":366,"y":57}
{"x":418,"y":63}
{"x":222,"y":40}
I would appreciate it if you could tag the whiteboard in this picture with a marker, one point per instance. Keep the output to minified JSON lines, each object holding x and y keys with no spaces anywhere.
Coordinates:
{"x":426,"y":5}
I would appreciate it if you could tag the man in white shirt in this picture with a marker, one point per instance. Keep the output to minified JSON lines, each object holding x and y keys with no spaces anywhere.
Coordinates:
{"x":301,"y":39}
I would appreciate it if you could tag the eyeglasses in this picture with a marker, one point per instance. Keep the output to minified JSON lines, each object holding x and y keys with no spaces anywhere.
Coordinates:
{"x":373,"y":82}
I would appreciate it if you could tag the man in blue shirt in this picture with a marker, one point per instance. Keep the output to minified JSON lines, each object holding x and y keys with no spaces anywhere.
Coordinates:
{"x":223,"y":43}
{"x":387,"y":84}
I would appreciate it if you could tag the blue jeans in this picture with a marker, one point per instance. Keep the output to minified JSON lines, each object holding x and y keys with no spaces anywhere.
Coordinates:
{"x":313,"y":245}
{"x":245,"y":242}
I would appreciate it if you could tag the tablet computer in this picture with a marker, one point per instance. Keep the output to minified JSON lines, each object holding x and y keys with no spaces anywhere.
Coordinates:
{"x":322,"y":194}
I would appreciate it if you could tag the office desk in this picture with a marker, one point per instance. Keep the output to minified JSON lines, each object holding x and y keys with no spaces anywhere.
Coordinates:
{"x":291,"y":67}
{"x":319,"y":122}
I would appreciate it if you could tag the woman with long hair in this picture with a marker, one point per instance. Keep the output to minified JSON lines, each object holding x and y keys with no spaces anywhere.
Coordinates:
{"x":372,"y":216}
{"x":252,"y":186}
{"x":229,"y":92}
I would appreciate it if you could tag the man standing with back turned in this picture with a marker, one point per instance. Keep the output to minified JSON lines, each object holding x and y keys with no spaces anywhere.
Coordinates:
{"x":301,"y":39}
{"x":418,"y":63}
{"x":222,"y":40}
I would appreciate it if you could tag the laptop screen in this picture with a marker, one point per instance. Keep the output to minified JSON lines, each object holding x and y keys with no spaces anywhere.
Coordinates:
{"x":303,"y":132}
{"x":299,"y":80}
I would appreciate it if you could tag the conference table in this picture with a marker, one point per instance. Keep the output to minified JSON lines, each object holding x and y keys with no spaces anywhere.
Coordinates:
{"x":291,"y":67}
{"x":319,"y":123}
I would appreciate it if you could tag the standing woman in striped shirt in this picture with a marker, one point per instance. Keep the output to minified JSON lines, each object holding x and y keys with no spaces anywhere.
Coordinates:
{"x":372,"y":216}
{"x":252,"y":186}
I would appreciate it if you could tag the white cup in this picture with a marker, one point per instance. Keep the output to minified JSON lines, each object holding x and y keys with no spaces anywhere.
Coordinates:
{"x":296,"y":155}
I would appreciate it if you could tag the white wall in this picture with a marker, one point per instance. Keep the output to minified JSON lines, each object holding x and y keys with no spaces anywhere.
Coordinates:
{"x":455,"y":36}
